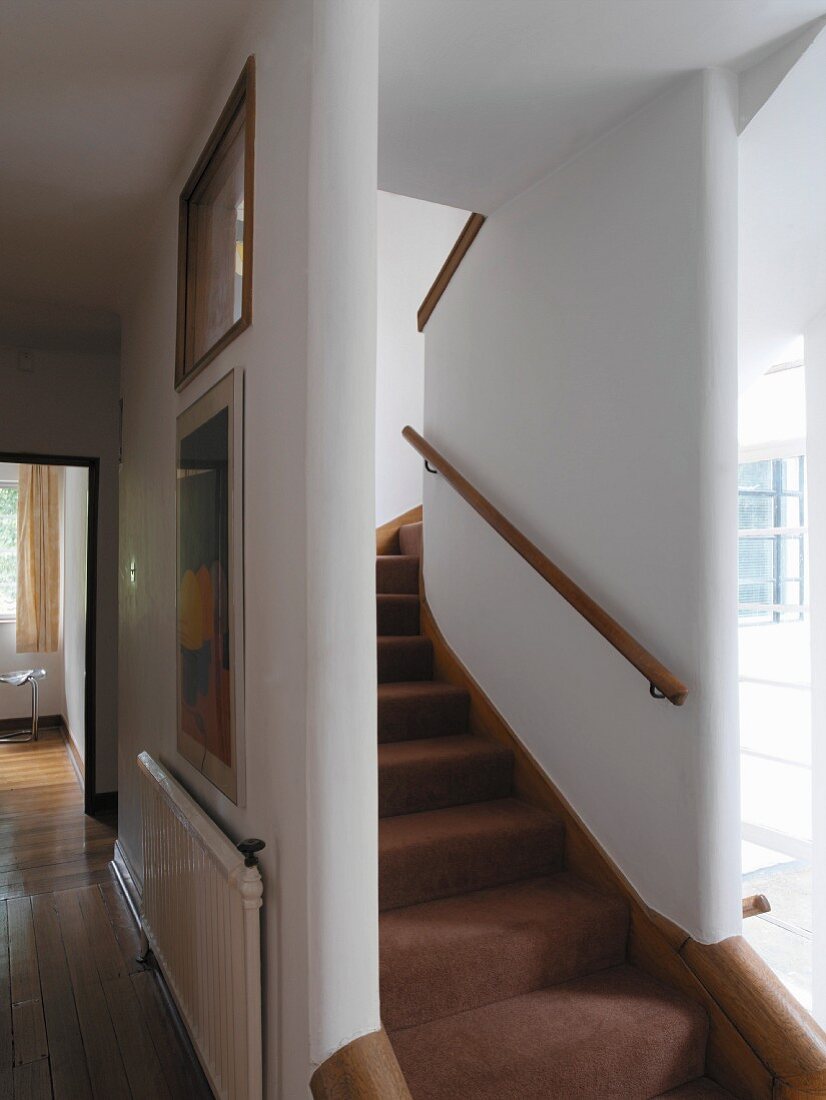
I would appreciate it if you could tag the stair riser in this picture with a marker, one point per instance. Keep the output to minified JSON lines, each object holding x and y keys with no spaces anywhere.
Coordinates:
{"x":404,"y":660}
{"x":397,"y":615}
{"x":412,"y":789}
{"x":425,"y":979}
{"x":444,"y":867}
{"x":396,"y":575}
{"x":414,"y":719}
{"x":410,"y":539}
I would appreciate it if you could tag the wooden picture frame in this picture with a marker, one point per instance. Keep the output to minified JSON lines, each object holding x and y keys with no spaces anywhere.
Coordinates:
{"x":210,"y":585}
{"x":214,"y":301}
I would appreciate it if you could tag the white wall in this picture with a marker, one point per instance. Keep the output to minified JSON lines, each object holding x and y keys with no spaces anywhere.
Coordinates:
{"x":414,"y":239}
{"x":581,"y":371}
{"x":75,"y":538}
{"x":308,"y":356}
{"x":68,"y":405}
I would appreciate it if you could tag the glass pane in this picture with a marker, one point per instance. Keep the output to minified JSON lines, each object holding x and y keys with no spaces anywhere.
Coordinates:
{"x":8,"y":550}
{"x":215,"y":260}
{"x":755,"y":475}
{"x":779,"y":654}
{"x":791,"y":473}
{"x":776,"y":796}
{"x":791,"y":511}
{"x":756,"y":559}
{"x":776,"y":721}
{"x":755,"y":510}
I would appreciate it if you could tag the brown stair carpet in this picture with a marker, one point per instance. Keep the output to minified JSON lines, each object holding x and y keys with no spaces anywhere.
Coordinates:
{"x":701,"y":1089}
{"x":503,"y":976}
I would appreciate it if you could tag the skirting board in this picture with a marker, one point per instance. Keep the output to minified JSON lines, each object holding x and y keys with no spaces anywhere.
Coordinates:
{"x":106,"y":802}
{"x":74,"y":752}
{"x":128,"y":877}
{"x":45,"y":722}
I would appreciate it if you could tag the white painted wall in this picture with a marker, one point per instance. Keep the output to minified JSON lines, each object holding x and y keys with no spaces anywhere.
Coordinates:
{"x":309,"y":361}
{"x":414,"y":239}
{"x":75,"y":537}
{"x":581,"y":371}
{"x":68,"y":405}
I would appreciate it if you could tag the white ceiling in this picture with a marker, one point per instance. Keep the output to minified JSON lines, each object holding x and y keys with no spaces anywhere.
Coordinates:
{"x":481,"y":98}
{"x":99,"y":100}
{"x":783,"y":217}
{"x":478,"y":99}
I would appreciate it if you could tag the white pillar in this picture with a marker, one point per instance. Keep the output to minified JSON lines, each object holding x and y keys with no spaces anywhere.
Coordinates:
{"x":341,"y":609}
{"x":815,"y":357}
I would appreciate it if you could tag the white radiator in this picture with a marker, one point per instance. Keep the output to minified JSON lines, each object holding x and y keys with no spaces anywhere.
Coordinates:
{"x":200,"y":914}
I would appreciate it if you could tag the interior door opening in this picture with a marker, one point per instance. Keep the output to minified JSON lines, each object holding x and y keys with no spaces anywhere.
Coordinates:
{"x":48,"y":599}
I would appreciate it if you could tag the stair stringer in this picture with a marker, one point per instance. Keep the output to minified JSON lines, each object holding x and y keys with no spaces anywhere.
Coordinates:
{"x":762,"y":1044}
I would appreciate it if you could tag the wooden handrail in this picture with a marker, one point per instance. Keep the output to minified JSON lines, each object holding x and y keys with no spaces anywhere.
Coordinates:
{"x":755,"y":905}
{"x":449,"y":268}
{"x":663,"y":683}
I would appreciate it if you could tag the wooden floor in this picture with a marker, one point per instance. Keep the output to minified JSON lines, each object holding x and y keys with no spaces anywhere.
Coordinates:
{"x":79,"y":1016}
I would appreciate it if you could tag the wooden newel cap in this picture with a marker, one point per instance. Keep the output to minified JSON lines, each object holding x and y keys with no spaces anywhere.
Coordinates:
{"x":249,"y":850}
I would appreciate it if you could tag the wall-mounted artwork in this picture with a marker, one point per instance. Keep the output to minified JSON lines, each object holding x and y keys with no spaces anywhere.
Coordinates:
{"x":210,"y":585}
{"x":215,"y":237}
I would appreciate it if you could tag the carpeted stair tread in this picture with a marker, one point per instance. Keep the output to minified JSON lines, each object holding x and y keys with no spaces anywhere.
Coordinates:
{"x":614,"y":1034}
{"x":445,"y":771}
{"x":405,"y":658}
{"x":397,"y":614}
{"x":459,"y":953}
{"x":397,"y":573}
{"x":424,"y":708}
{"x":701,"y":1089}
{"x":410,"y":539}
{"x":440,"y":853}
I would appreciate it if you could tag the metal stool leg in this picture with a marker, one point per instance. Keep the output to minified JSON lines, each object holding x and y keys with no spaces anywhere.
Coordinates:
{"x":20,"y":737}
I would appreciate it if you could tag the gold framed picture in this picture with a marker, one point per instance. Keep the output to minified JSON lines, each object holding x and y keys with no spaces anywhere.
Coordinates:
{"x":215,"y":237}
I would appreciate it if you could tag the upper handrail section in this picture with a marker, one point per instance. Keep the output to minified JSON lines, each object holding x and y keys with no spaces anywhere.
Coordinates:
{"x":449,"y":268}
{"x":663,"y":683}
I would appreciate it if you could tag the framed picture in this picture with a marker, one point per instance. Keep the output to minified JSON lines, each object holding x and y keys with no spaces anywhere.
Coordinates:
{"x":215,"y":230}
{"x":210,"y":600}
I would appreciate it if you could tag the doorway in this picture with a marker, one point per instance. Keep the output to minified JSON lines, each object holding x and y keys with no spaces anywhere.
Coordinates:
{"x":70,"y":703}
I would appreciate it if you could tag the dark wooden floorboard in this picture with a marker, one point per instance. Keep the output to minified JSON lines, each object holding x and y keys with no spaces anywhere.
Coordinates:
{"x":33,"y":1081}
{"x":80,"y":1017}
{"x":66,"y":1052}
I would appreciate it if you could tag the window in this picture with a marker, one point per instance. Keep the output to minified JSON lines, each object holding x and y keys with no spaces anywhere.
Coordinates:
{"x":8,"y":550}
{"x":772,"y":566}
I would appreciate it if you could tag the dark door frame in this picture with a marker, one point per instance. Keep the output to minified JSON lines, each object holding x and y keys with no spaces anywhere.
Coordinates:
{"x":90,"y":698}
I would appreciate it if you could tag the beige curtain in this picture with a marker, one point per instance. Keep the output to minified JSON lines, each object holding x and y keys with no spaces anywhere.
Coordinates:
{"x":38,"y":559}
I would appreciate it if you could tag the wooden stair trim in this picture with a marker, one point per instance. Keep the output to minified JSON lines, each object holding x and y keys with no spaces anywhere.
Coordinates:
{"x":762,"y":1044}
{"x":387,"y":536}
{"x":365,"y":1069}
{"x":449,"y":268}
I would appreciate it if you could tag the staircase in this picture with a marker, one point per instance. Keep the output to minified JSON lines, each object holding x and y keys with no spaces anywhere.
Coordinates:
{"x":503,"y":976}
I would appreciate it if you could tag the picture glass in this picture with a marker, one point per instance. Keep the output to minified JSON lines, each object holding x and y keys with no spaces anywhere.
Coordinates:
{"x":215,"y":245}
{"x":206,"y":644}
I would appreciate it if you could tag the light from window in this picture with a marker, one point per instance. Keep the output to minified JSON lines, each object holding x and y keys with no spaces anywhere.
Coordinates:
{"x":8,"y":551}
{"x":772,"y":521}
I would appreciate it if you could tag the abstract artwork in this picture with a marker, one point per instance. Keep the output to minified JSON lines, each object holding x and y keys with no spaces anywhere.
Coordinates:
{"x":210,"y":644}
